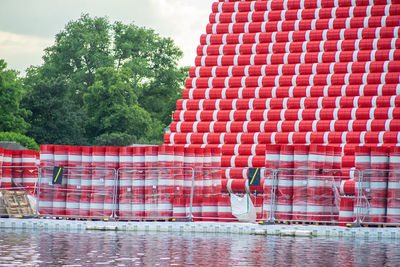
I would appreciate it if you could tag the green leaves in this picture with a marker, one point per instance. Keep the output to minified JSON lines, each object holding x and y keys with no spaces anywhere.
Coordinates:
{"x":102,"y":83}
{"x":12,"y":116}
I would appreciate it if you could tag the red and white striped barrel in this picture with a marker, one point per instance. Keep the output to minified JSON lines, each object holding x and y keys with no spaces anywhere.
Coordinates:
{"x":209,"y":209}
{"x":74,"y":180}
{"x":346,"y":211}
{"x":362,"y":160}
{"x":272,"y":160}
{"x":300,"y":178}
{"x":110,"y":183}
{"x":179,"y":172}
{"x":393,"y":205}
{"x":166,"y":174}
{"x":196,"y":207}
{"x":189,"y":164}
{"x":7,"y":169}
{"x":198,"y":175}
{"x":216,"y":171}
{"x":138,"y":206}
{"x":1,"y":164}
{"x":207,"y":173}
{"x":98,"y":182}
{"x":225,"y":209}
{"x":165,"y":206}
{"x":151,"y":163}
{"x":318,"y":188}
{"x":86,"y":182}
{"x":285,"y":184}
{"x":125,"y":182}
{"x":348,"y":187}
{"x":17,"y":170}
{"x":179,"y":208}
{"x":45,"y":205}
{"x":272,"y":156}
{"x":377,"y":210}
{"x":379,"y":179}
{"x":60,"y":191}
{"x":139,"y":173}
{"x":30,"y":170}
{"x":150,"y":206}
{"x":239,"y":186}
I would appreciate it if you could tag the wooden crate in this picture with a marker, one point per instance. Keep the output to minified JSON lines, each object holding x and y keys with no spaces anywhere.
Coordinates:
{"x":16,"y":203}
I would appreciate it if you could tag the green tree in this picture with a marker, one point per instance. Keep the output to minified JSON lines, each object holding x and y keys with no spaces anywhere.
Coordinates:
{"x":55,"y":118}
{"x":115,"y":81}
{"x":12,"y":115}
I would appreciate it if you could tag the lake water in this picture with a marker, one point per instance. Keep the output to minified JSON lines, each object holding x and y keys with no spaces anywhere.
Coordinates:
{"x":35,"y":248}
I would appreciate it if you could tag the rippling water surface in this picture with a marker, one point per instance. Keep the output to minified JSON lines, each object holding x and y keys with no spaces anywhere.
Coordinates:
{"x":35,"y":248}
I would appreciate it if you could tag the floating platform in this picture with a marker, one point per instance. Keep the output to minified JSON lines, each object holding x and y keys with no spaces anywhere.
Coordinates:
{"x":203,"y":227}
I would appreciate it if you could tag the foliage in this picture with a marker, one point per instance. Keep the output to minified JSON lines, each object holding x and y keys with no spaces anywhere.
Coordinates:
{"x":21,"y":139}
{"x":12,"y":116}
{"x":102,"y":82}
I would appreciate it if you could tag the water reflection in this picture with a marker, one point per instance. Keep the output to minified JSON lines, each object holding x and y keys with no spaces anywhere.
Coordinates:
{"x":33,"y":248}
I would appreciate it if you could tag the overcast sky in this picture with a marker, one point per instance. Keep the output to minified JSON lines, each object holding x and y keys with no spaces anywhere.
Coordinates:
{"x":29,"y":26}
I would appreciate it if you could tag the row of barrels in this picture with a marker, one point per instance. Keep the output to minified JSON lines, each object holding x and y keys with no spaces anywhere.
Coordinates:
{"x":100,"y":180}
{"x":378,"y":190}
{"x":19,"y":169}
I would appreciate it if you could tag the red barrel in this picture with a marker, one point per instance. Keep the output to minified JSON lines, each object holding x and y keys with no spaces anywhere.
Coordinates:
{"x":198,"y":176}
{"x":318,"y":188}
{"x":285,"y":184}
{"x":216,"y":171}
{"x":189,"y":164}
{"x":86,"y":182}
{"x":166,"y":174}
{"x":207,"y":173}
{"x":74,"y":180}
{"x":179,"y":208}
{"x":111,"y":165}
{"x":1,"y":164}
{"x":346,"y":212}
{"x":272,"y":156}
{"x":348,"y":187}
{"x":30,"y":170}
{"x":165,"y":207}
{"x":45,"y":205}
{"x":60,"y":191}
{"x":393,"y":205}
{"x":125,"y":182}
{"x":151,"y":164}
{"x":150,"y":206}
{"x":17,"y":170}
{"x":98,"y":182}
{"x":300,"y":157}
{"x":209,"y":209}
{"x":138,"y":206}
{"x":225,"y":209}
{"x":377,"y":210}
{"x":179,"y":171}
{"x":379,"y":179}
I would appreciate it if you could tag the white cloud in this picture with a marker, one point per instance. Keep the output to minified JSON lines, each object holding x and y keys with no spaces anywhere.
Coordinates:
{"x":22,"y":51}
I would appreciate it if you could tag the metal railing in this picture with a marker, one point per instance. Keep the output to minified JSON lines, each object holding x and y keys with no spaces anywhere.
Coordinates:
{"x":201,"y":193}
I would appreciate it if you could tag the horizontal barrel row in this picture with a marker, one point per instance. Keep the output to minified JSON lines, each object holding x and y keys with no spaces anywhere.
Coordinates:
{"x":295,"y":80}
{"x":299,"y":47}
{"x":292,"y":92}
{"x":288,"y":114}
{"x":305,"y":14}
{"x":374,"y":125}
{"x":19,"y":169}
{"x":300,"y":36}
{"x":289,"y":103}
{"x":248,"y":6}
{"x":377,"y":138}
{"x":304,"y":25}
{"x":299,"y":58}
{"x":294,"y":69}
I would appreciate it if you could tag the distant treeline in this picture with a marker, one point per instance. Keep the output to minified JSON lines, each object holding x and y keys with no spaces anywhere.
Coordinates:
{"x":101,"y":83}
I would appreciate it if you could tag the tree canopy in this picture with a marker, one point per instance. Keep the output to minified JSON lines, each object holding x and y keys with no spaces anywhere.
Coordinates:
{"x":101,"y":83}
